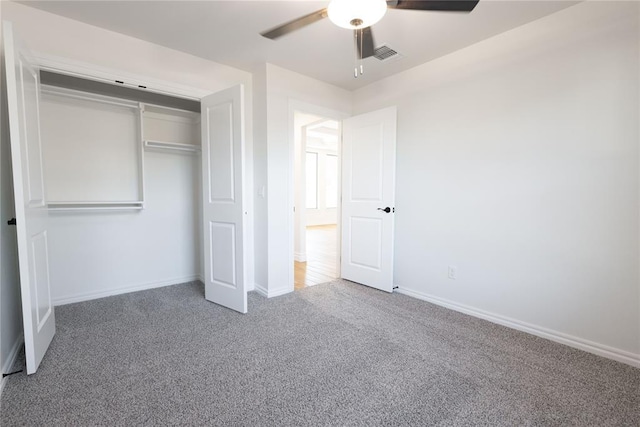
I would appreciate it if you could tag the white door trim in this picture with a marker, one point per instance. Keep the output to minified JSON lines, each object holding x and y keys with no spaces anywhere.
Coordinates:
{"x":302,"y":107}
{"x":301,"y":254}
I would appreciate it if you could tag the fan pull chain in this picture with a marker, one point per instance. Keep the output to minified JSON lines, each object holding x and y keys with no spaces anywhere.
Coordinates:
{"x":355,"y":68}
{"x":358,"y":64}
{"x":361,"y":51}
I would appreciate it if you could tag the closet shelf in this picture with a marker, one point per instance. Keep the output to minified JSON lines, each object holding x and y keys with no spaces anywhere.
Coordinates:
{"x":84,"y":206}
{"x":171,"y":146}
{"x":88,"y":96}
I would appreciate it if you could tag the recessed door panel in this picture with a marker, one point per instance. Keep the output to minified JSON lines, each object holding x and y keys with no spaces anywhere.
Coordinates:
{"x":40,"y":283}
{"x":366,"y":163}
{"x":366,"y":242}
{"x":221,"y":165}
{"x":29,"y":85}
{"x":223,"y":253}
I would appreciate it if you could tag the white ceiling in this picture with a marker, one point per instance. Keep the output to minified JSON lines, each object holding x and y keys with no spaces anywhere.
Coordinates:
{"x":228,"y":32}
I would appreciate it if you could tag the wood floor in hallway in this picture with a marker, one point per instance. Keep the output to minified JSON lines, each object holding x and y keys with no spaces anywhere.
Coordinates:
{"x":322,"y":253}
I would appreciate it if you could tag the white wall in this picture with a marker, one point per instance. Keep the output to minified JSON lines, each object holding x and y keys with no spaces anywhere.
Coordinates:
{"x":10,"y":311}
{"x":518,"y":164}
{"x":287,"y":92}
{"x":51,"y":36}
{"x":260,"y":177}
{"x":94,"y":254}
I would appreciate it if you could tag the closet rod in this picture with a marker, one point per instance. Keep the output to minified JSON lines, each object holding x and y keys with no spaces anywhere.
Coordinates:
{"x":106,"y":202}
{"x":95,"y":208}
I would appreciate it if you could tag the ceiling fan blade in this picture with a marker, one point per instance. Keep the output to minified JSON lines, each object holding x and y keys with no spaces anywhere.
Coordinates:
{"x":366,"y":47}
{"x":436,"y":5}
{"x":294,"y":25}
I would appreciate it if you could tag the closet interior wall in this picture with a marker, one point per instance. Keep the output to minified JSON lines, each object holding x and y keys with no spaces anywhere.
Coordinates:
{"x":122,"y":180}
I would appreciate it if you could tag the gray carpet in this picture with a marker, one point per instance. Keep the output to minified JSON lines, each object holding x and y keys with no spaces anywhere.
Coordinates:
{"x":333,"y":354}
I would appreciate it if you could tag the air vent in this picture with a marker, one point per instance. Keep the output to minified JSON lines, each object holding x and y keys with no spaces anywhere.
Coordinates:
{"x":385,"y":53}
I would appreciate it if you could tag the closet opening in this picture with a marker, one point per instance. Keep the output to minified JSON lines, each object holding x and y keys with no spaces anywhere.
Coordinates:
{"x":122,"y":181}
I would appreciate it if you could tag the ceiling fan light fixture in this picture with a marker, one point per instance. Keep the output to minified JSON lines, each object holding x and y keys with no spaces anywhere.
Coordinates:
{"x":353,"y":14}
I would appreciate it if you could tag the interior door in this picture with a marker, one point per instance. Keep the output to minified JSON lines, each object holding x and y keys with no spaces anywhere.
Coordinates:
{"x":368,"y":195}
{"x":223,"y":198}
{"x":23,"y":100}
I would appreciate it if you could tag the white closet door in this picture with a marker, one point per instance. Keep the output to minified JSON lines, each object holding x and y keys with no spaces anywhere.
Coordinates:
{"x":223,"y":198}
{"x":23,"y":96}
{"x":368,"y":198}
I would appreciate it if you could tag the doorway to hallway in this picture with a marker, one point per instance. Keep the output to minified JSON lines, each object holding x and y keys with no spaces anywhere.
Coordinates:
{"x":317,"y":199}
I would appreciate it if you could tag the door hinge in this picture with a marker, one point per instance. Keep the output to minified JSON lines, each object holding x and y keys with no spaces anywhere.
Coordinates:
{"x":12,"y":221}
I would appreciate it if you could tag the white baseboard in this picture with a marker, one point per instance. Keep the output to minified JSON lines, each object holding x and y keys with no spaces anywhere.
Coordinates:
{"x":13,"y":354}
{"x":562,"y":338}
{"x":261,"y":290}
{"x":271,"y":293}
{"x":11,"y":360}
{"x":300,"y":256}
{"x":279,"y":291}
{"x":68,"y":299}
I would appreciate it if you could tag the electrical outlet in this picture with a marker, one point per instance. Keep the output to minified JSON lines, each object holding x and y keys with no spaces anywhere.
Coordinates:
{"x":453,"y":272}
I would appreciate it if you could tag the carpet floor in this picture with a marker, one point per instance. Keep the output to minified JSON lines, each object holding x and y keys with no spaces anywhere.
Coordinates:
{"x":332,"y":354}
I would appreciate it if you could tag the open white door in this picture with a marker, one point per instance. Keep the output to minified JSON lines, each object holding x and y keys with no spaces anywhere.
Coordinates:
{"x":368,"y":196}
{"x":23,"y":98}
{"x":223,"y":198}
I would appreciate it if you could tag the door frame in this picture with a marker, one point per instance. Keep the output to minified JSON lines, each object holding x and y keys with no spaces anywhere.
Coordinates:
{"x":329,"y":114}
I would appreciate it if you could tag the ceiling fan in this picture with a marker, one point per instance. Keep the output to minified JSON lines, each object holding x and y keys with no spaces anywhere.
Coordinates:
{"x":360,"y":15}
